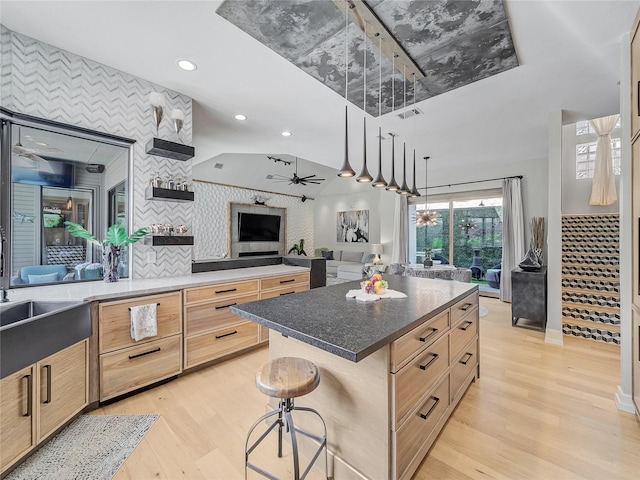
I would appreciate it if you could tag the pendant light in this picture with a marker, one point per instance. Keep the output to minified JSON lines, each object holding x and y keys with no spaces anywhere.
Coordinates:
{"x":427,"y":217}
{"x":379,"y":182}
{"x":393,"y":186}
{"x":345,"y":170}
{"x":365,"y":176}
{"x":414,"y":191}
{"x":404,"y":190}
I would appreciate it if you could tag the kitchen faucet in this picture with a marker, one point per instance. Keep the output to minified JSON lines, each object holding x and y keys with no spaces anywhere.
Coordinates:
{"x":4,"y":279}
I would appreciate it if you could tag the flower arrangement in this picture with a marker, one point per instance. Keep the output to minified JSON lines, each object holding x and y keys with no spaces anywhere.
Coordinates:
{"x":375,"y":284}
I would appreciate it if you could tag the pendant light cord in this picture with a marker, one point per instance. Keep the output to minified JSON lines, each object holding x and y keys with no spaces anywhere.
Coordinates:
{"x":364,"y":90}
{"x":346,"y":52}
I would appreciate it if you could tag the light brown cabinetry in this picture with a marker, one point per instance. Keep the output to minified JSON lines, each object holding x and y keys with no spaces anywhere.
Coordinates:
{"x":126,"y":365}
{"x":211,"y":330}
{"x":38,"y":400}
{"x":431,"y":368}
{"x":635,"y":217}
{"x":17,"y":416}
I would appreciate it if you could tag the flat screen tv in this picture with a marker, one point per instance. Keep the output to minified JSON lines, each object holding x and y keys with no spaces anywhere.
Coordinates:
{"x":255,"y":227}
{"x":42,"y":172}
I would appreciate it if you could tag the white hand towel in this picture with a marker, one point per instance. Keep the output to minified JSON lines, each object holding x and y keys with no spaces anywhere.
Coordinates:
{"x":143,"y":321}
{"x":357,"y":294}
{"x":393,"y":294}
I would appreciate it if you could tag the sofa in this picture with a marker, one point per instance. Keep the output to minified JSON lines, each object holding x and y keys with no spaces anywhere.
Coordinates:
{"x":42,"y":274}
{"x":345,"y":264}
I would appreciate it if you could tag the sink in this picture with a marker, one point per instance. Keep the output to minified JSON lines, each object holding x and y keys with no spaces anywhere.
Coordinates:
{"x":33,"y":330}
{"x":24,"y":310}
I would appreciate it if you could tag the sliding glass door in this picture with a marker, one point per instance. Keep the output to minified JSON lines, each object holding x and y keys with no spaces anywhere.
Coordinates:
{"x":466,"y":232}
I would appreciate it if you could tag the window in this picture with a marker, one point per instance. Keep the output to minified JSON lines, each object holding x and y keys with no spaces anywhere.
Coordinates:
{"x":586,"y":158}
{"x":585,"y":128}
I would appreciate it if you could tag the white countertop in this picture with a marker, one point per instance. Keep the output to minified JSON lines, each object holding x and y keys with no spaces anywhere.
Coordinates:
{"x":99,"y":290}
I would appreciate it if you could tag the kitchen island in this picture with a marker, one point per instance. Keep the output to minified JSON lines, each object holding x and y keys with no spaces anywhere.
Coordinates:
{"x":392,"y":371}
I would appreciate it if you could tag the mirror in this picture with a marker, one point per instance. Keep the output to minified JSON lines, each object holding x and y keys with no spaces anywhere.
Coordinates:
{"x":59,"y":176}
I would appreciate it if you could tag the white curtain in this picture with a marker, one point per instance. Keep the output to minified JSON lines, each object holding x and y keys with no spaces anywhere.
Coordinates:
{"x":513,"y":233}
{"x":603,"y":188}
{"x":400,"y":251}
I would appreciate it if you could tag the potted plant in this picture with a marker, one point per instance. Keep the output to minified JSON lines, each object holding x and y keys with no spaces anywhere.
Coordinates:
{"x":427,"y":258}
{"x":112,"y":245}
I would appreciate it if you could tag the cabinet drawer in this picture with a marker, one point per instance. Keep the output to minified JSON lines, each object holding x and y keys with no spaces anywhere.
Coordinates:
{"x":131,"y":368}
{"x":214,"y":292}
{"x":463,"y":332}
{"x":114,"y":326}
{"x":209,"y":346}
{"x":283,"y":280}
{"x":463,"y":307}
{"x":418,"y":376}
{"x":417,"y":339}
{"x":462,"y":367}
{"x":204,"y":317}
{"x":419,"y":427}
{"x":278,"y":292}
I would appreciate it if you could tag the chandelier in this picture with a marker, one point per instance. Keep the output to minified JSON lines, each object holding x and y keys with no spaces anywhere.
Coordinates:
{"x":426,"y":217}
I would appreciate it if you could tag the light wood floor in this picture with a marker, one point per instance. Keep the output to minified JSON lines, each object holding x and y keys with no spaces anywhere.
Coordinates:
{"x":539,"y":411}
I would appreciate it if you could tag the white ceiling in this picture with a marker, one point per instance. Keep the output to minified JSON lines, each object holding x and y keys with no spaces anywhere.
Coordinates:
{"x":569,"y":53}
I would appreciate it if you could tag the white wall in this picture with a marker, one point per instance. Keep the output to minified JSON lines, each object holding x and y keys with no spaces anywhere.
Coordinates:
{"x":345,"y":194}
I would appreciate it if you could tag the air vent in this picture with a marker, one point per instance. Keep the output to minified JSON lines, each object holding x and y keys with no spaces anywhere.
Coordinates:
{"x":410,"y":113}
{"x":218,"y":166}
{"x":269,"y":177}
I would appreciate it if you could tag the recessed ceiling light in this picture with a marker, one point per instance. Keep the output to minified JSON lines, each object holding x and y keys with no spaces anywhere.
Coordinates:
{"x":187,"y":65}
{"x":240,"y":117}
{"x":286,"y":133}
{"x":42,"y":144}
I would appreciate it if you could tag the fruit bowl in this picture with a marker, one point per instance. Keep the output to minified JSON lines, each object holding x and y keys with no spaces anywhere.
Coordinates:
{"x":374,"y":285}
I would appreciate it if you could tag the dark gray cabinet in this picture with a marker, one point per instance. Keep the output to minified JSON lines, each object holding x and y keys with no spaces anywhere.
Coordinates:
{"x":529,"y":299}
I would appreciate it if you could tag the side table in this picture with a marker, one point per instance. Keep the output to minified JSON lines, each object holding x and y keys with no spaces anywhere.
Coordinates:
{"x":371,"y":268}
{"x":529,"y":299}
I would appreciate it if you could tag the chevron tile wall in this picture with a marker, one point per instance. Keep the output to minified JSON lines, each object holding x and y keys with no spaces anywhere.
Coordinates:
{"x":211,"y":218}
{"x":44,"y":81}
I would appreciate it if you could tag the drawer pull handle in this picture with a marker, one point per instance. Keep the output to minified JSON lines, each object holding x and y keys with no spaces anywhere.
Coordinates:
{"x":287,"y":293}
{"x":464,"y":362}
{"x":158,"y":304}
{"x":220,"y":307}
{"x":28,"y":409}
{"x":434,"y":357}
{"x":288,"y":281}
{"x":425,"y":415}
{"x":48,"y":369}
{"x":131,"y":357}
{"x":467,"y":325}
{"x":433,"y":332}
{"x":226,"y":334}
{"x":226,"y":291}
{"x":466,"y":307}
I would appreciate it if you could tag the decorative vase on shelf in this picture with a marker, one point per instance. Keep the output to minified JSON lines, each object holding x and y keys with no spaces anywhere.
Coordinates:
{"x":111,"y":263}
{"x":427,"y":262}
{"x":538,"y":252}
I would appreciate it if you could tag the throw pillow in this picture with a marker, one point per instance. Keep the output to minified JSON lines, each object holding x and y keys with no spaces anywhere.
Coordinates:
{"x":46,"y":278}
{"x":367,"y":257}
{"x":328,"y":255}
{"x":352,"y":256}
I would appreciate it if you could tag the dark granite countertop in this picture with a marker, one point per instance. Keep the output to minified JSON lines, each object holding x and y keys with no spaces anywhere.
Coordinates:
{"x":325,"y":318}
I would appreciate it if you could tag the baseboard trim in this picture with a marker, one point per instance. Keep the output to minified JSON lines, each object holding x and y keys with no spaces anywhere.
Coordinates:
{"x":554,"y":337}
{"x":624,"y":401}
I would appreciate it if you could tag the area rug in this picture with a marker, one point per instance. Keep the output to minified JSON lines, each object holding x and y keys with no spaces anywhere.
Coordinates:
{"x":92,"y":447}
{"x":482,"y":311}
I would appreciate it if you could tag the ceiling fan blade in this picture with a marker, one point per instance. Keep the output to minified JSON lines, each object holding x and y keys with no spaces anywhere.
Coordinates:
{"x":20,"y":150}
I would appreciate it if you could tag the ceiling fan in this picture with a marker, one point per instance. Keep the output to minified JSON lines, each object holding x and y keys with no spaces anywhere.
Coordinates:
{"x":31,"y":153}
{"x":296,"y":180}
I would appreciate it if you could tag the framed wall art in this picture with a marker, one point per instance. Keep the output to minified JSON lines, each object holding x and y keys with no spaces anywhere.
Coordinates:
{"x":353,"y":226}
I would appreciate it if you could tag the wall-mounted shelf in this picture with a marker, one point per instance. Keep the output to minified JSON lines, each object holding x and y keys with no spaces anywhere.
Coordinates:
{"x":167,"y":195}
{"x":169,"y":240}
{"x":167,"y":149}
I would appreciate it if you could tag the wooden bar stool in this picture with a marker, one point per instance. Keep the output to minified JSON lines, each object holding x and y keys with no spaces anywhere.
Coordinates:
{"x":286,"y":378}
